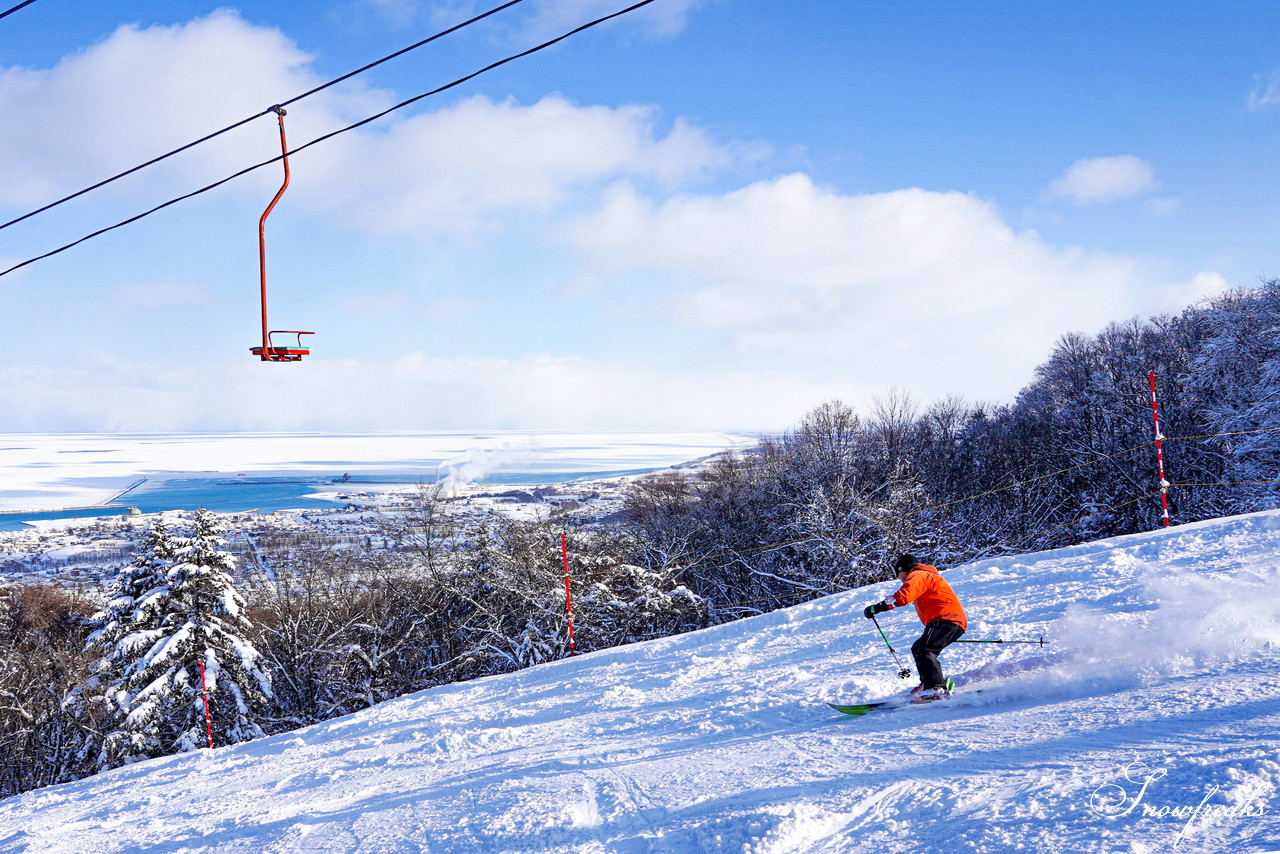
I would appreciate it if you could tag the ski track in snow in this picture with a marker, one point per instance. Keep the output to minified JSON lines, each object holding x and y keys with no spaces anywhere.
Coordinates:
{"x":1162,"y":662}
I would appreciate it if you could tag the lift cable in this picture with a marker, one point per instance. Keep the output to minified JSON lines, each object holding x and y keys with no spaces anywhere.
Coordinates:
{"x":248,"y":119}
{"x":7,"y":12}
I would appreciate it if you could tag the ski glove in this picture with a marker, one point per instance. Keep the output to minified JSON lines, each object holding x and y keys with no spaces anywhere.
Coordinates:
{"x":872,"y":610}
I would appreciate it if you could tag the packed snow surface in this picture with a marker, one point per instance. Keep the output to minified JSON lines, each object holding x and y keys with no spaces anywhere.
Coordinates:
{"x":1149,"y":724}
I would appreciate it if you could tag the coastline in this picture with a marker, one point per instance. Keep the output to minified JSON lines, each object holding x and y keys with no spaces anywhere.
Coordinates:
{"x":64,"y":473}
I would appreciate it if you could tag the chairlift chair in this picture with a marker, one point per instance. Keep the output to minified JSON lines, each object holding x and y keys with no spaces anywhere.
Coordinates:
{"x":268,"y":350}
{"x":273,"y":352}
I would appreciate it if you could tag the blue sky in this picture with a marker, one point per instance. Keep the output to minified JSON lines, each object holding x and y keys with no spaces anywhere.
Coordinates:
{"x":710,"y":214}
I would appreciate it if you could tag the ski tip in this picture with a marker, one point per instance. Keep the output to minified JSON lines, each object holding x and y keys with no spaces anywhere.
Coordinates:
{"x":855,"y":711}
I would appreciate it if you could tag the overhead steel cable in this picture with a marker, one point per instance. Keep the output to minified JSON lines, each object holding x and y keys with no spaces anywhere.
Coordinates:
{"x":332,"y":134}
{"x":248,"y":119}
{"x":7,"y":12}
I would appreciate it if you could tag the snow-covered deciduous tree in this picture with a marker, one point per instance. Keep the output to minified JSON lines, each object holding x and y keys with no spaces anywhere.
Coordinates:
{"x":174,"y":609}
{"x":622,"y":603}
{"x":41,"y":635}
{"x":1237,"y":381}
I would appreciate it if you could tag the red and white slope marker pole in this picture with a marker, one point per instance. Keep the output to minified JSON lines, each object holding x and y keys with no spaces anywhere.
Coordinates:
{"x":204,"y":689}
{"x":1164,"y":484}
{"x":568,"y":601}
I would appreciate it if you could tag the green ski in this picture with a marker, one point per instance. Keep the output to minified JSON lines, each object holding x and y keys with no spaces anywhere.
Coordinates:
{"x":864,"y":708}
{"x":860,"y":709}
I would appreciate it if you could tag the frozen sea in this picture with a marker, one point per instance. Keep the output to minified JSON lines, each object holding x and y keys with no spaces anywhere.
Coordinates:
{"x":47,"y":476}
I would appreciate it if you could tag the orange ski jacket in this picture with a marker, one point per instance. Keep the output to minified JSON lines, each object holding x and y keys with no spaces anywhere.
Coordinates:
{"x":932,"y":595}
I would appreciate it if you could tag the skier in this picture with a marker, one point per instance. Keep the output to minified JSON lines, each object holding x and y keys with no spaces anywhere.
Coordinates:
{"x":939,"y":610}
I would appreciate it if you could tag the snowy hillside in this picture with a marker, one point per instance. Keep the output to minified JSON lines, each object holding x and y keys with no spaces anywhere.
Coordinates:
{"x":1152,"y":723}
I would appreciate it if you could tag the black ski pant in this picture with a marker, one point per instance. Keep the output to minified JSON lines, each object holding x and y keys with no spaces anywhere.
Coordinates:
{"x":938,"y":635}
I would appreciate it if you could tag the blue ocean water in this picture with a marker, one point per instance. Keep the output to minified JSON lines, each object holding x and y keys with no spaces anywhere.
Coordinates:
{"x":266,"y":494}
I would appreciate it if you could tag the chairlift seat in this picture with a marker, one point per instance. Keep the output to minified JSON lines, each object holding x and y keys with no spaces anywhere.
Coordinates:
{"x":285,"y":352}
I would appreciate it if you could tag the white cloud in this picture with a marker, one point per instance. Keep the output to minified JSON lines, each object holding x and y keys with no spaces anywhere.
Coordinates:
{"x":462,"y":168}
{"x":1266,"y":91}
{"x":1201,"y":286}
{"x":410,"y":391}
{"x":142,"y":92}
{"x":929,"y":290}
{"x":471,"y":165}
{"x":1104,"y":179}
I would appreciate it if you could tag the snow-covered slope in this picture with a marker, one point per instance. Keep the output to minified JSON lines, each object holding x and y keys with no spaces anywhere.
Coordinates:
{"x":1151,"y":723}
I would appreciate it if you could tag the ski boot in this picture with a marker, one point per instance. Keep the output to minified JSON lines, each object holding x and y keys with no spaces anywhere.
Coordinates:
{"x":921,"y":694}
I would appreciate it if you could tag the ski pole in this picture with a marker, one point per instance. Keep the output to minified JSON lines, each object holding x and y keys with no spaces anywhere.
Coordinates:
{"x":1040,"y":642}
{"x":903,"y":672}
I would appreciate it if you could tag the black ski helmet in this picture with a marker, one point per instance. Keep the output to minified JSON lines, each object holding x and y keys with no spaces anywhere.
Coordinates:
{"x":905,"y":563}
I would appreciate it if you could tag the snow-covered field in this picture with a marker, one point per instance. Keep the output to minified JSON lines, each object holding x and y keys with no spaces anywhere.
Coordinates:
{"x":1150,"y":724}
{"x":54,"y":471}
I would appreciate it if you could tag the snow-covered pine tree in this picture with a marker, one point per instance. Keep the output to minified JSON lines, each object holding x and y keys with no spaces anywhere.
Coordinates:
{"x":191,"y":613}
{"x":101,"y":697}
{"x":122,"y":616}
